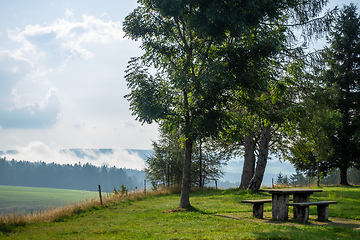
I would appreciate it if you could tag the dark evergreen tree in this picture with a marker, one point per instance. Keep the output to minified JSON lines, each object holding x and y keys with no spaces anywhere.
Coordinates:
{"x":343,"y":61}
{"x":298,"y":179}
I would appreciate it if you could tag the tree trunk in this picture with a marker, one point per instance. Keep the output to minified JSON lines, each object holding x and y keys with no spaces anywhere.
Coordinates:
{"x":249,"y":159}
{"x":185,"y":189}
{"x":200,"y":167}
{"x":343,"y":176}
{"x":256,"y":181}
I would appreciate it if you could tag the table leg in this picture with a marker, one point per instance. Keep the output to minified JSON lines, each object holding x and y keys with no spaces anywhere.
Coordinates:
{"x":279,"y":207}
{"x":300,"y":197}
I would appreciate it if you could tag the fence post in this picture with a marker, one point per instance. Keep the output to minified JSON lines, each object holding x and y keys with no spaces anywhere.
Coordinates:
{"x":100,"y":195}
{"x":145,"y":186}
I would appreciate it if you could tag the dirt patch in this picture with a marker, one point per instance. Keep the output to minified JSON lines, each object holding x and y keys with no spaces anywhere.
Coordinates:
{"x":175,"y":210}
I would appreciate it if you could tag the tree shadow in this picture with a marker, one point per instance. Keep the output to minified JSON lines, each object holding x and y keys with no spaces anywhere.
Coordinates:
{"x":189,"y":209}
{"x":332,"y":222}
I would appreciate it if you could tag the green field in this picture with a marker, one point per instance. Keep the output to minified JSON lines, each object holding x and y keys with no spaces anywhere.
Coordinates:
{"x":216,"y":214}
{"x":27,"y":199}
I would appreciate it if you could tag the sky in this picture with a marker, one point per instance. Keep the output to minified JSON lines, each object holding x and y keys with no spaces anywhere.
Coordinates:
{"x":62,"y":80}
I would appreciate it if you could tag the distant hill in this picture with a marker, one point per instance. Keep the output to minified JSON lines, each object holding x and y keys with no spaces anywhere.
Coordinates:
{"x":230,"y":179}
{"x":142,"y":153}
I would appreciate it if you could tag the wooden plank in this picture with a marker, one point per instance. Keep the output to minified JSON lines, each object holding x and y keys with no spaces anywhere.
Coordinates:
{"x":304,"y":204}
{"x":257,"y":201}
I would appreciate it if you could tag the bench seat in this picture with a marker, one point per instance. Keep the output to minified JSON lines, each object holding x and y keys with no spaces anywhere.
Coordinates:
{"x":257,"y":201}
{"x":258,"y":206}
{"x":302,"y":210}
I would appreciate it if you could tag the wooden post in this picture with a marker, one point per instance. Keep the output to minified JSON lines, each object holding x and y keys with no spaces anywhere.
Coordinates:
{"x":100,"y":195}
{"x":145,"y":186}
{"x":272,"y":182}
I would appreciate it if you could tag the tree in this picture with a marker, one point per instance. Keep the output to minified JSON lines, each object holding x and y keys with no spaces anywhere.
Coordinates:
{"x":343,"y":61}
{"x":279,"y":178}
{"x":195,"y":47}
{"x":165,"y":166}
{"x":327,"y":133}
{"x":209,"y":160}
{"x":311,"y":146}
{"x":297,"y":179}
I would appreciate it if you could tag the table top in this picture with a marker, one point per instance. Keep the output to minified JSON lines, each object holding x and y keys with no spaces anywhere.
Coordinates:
{"x":290,"y":190}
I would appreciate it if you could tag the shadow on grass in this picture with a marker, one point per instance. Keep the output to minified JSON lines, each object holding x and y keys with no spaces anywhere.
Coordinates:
{"x":333,"y":222}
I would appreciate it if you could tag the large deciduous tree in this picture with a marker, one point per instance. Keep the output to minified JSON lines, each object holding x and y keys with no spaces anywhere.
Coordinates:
{"x":191,"y":45}
{"x":207,"y":56}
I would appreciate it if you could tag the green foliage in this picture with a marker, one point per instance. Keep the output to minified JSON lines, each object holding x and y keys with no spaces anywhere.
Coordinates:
{"x":123,"y":189}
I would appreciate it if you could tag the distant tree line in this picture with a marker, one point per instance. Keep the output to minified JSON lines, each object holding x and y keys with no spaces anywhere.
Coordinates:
{"x":77,"y":176}
{"x":298,"y":179}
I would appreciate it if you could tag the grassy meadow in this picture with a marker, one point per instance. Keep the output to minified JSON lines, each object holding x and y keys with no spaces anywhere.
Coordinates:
{"x":30,"y":199}
{"x":216,"y":214}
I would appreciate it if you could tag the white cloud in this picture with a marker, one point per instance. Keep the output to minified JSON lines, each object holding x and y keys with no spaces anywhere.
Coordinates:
{"x":61,"y":78}
{"x":39,"y":151}
{"x":69,"y":13}
{"x":34,"y":115}
{"x":45,"y":49}
{"x":64,"y":37}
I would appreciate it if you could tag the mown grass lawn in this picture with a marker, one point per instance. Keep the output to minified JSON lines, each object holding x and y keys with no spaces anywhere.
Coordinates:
{"x":216,"y":214}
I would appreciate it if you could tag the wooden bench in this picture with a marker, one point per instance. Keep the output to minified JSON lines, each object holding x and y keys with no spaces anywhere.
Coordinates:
{"x":258,"y":206}
{"x":303,"y":210}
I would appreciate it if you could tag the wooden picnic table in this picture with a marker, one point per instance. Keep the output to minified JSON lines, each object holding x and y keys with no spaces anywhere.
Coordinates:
{"x":280,"y":197}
